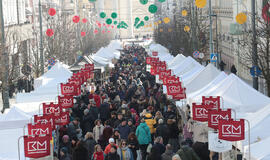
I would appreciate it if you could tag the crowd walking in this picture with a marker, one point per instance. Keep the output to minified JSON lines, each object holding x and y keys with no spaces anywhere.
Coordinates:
{"x":127,"y":117}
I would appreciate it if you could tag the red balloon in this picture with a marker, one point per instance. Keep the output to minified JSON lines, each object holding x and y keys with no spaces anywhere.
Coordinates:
{"x":112,"y":26}
{"x":83,"y":34}
{"x":76,"y":19}
{"x":99,"y":25}
{"x":103,"y":31}
{"x":95,"y":31}
{"x":84,"y":20}
{"x":109,"y":31}
{"x":52,"y":11}
{"x":104,"y":24}
{"x":49,"y":32}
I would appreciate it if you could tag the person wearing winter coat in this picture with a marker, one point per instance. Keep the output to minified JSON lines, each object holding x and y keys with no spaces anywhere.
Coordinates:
{"x":112,"y":155}
{"x":135,"y":117}
{"x":168,"y":153}
{"x":89,"y":143}
{"x":98,"y":129}
{"x":93,"y":111}
{"x":80,"y":152}
{"x":104,"y":110}
{"x":124,"y":129}
{"x":131,"y":126}
{"x":151,"y":122}
{"x":74,"y":129}
{"x":144,"y":137}
{"x":86,"y":122}
{"x":133,"y":144}
{"x":64,"y":155}
{"x":124,"y":152}
{"x":158,"y":145}
{"x":107,"y":132}
{"x":154,"y":155}
{"x":163,"y":131}
{"x":109,"y":146}
{"x":98,"y":154}
{"x":173,"y":134}
{"x":186,"y":152}
{"x":66,"y":143}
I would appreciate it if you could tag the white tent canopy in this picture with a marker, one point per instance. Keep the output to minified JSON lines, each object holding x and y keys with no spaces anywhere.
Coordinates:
{"x":177,"y":60}
{"x":49,"y":90}
{"x":59,"y":70}
{"x":237,"y":95}
{"x":209,"y":73}
{"x":158,"y":48}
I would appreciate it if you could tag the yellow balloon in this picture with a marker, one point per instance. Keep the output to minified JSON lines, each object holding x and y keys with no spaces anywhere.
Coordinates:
{"x":160,"y":30}
{"x":150,"y":25}
{"x":166,"y":20}
{"x":184,"y":13}
{"x":241,"y":18}
{"x":156,"y":23}
{"x":186,"y":28}
{"x":159,"y":22}
{"x":200,"y":3}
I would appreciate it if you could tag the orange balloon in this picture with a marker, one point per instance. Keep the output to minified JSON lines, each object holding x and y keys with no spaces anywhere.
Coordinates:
{"x":184,"y":13}
{"x":200,"y":3}
{"x":241,"y":18}
{"x":186,"y":28}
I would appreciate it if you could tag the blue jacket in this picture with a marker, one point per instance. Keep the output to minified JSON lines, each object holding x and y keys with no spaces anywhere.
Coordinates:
{"x":143,"y":134}
{"x":124,"y":131}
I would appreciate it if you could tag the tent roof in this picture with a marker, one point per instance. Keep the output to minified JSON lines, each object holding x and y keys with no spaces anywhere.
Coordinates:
{"x":177,"y":60}
{"x":185,"y":66}
{"x":209,"y":73}
{"x":238,"y":95}
{"x":49,"y":88}
{"x":158,"y":48}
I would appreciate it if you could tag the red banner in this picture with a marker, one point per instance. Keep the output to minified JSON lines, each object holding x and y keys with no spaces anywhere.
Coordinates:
{"x":90,"y":66}
{"x":37,"y":146}
{"x":215,"y":115}
{"x":65,"y":101}
{"x":39,"y":129}
{"x":161,"y":68}
{"x":200,"y":112}
{"x":213,"y":102}
{"x":76,"y":81}
{"x":170,"y":79}
{"x":70,"y":89}
{"x":155,"y":54}
{"x":231,"y":130}
{"x":52,"y":109}
{"x":63,"y":119}
{"x":164,"y":74}
{"x":181,"y":95}
{"x":174,"y":88}
{"x":45,"y":119}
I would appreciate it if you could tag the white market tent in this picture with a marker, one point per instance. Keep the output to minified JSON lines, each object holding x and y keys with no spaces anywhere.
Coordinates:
{"x":176,"y":60}
{"x":12,"y":127}
{"x":248,"y":103}
{"x":59,"y":70}
{"x":237,"y":95}
{"x":208,"y":74}
{"x":158,"y":48}
{"x":50,"y":88}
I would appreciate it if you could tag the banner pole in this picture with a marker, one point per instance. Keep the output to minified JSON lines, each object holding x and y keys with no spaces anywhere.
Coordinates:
{"x":19,"y":154}
{"x":249,"y":154}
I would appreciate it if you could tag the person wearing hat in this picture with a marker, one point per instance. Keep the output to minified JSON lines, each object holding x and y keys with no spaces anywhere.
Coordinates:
{"x":74,"y":129}
{"x":109,"y":146}
{"x":124,"y":129}
{"x":144,"y":137}
{"x":112,"y":155}
{"x":64,"y":155}
{"x":66,"y":143}
{"x":186,"y":152}
{"x":131,"y":125}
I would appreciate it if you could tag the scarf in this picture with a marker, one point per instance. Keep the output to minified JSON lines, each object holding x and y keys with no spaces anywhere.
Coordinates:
{"x":98,"y":156}
{"x":126,"y":151}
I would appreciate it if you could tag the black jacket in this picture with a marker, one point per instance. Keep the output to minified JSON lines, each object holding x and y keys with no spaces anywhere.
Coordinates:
{"x":104,"y":111}
{"x":111,"y":156}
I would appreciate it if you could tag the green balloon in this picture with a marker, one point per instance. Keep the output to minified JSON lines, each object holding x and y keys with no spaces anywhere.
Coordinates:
{"x":146,"y":18}
{"x":161,"y":1}
{"x":115,"y":22}
{"x":92,"y":0}
{"x":144,"y":2}
{"x":109,"y":21}
{"x":137,"y":20}
{"x":102,"y":14}
{"x":114,"y":15}
{"x":152,"y":8}
{"x":140,"y":24}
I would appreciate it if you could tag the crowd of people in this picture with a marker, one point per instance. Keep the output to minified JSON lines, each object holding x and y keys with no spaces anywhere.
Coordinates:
{"x":127,"y":117}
